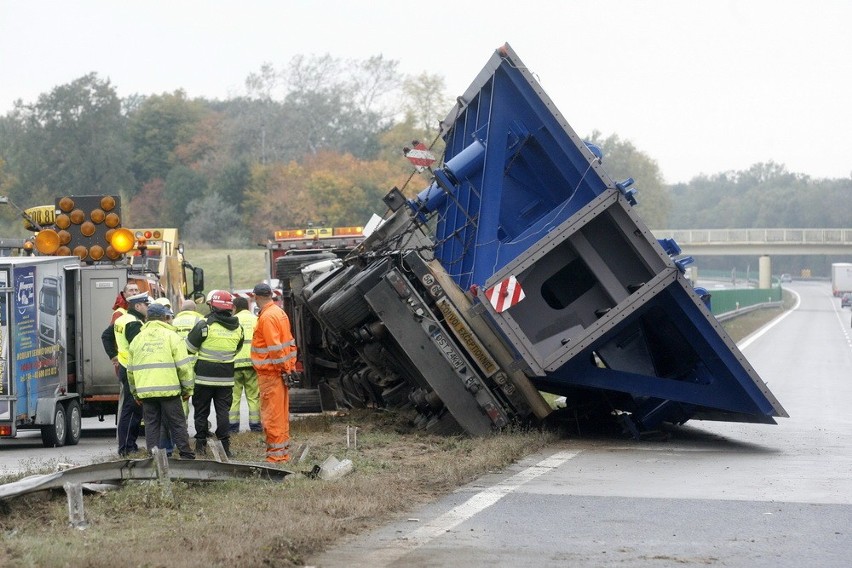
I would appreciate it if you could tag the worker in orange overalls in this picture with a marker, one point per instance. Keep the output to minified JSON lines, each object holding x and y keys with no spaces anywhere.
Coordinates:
{"x":273,"y":355}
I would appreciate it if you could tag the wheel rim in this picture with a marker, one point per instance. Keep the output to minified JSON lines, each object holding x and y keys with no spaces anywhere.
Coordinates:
{"x":76,"y":422}
{"x":59,"y":424}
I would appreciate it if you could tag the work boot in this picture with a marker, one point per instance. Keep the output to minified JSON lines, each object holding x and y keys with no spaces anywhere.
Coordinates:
{"x":201,"y":447}
{"x":187,"y":456}
{"x":226,"y":445}
{"x":234,"y":428}
{"x":255,"y":427}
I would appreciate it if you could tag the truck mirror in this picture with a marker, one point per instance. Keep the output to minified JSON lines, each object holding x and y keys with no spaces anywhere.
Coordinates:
{"x":197,"y":280}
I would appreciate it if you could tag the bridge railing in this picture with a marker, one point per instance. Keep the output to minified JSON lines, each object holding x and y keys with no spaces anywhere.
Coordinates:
{"x":756,"y":236}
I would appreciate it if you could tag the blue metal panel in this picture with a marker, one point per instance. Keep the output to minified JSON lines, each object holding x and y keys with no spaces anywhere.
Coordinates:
{"x":678,"y":355}
{"x":514,"y":171}
{"x":535,"y":172}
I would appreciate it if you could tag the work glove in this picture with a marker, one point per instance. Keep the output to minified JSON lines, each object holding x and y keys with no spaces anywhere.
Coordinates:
{"x":291,"y":380}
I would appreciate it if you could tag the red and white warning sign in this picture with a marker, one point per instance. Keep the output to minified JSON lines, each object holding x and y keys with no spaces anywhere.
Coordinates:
{"x":505,"y":294}
{"x":419,"y":155}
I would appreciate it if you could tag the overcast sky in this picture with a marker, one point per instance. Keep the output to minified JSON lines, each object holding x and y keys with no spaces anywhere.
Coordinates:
{"x":701,"y":87}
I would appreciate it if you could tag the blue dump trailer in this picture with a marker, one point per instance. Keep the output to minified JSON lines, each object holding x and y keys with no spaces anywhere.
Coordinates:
{"x":522,"y":268}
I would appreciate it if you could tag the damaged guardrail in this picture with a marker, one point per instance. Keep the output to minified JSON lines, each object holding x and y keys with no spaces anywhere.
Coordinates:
{"x":141,"y":470}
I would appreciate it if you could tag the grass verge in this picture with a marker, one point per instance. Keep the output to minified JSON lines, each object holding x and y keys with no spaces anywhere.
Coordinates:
{"x":247,"y":267}
{"x":255,"y":522}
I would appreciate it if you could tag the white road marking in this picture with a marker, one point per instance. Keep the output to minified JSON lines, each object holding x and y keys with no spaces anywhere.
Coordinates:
{"x":759,"y":333}
{"x":401,"y":546}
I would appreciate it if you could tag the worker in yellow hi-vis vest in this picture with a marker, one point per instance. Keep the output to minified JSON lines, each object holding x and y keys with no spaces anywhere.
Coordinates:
{"x":245,"y":377}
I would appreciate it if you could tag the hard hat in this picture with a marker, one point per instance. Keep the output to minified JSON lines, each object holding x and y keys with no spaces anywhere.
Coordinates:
{"x":221,"y":300}
{"x":164,"y":301}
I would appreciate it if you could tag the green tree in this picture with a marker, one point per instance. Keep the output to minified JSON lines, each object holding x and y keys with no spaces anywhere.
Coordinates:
{"x":161,"y":125}
{"x":9,"y":215}
{"x":231,"y":183}
{"x":183,"y":185}
{"x":71,"y":141}
{"x":766,"y":195}
{"x":622,"y":160}
{"x":213,"y":221}
{"x":425,"y":102}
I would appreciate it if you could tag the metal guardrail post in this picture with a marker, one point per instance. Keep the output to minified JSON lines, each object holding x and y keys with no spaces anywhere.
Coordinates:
{"x":76,"y":513}
{"x":161,"y":461}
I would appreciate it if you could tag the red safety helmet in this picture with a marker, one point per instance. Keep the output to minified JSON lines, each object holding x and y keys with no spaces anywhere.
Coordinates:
{"x":221,"y":300}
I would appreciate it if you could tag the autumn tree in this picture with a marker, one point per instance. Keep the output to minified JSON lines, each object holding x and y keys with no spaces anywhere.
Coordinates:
{"x":329,"y":189}
{"x":145,"y":208}
{"x":622,"y":160}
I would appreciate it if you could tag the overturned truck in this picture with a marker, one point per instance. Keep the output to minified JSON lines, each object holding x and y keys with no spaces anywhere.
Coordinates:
{"x":522,"y":268}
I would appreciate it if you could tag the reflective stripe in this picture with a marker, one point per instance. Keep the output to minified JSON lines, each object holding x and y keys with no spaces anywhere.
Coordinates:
{"x":165,"y":389}
{"x":215,"y":355}
{"x":152,"y":366}
{"x":278,"y":347}
{"x":214,"y":381}
{"x":242,"y":362}
{"x":271,"y":362}
{"x":278,"y":451}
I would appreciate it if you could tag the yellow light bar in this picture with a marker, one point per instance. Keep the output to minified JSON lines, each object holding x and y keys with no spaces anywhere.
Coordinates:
{"x":348,"y":231}
{"x":319,"y":232}
{"x":289,"y":234}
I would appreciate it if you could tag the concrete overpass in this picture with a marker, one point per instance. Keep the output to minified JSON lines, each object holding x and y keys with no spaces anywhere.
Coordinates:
{"x":759,"y":242}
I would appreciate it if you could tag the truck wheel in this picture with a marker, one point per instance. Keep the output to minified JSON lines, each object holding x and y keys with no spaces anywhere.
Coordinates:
{"x":305,"y":400}
{"x":321,"y":289}
{"x":73,"y":423}
{"x":345,"y":309}
{"x":397,"y":395}
{"x":446,"y":425}
{"x":53,"y":435}
{"x":348,"y":307}
{"x":288,"y":266}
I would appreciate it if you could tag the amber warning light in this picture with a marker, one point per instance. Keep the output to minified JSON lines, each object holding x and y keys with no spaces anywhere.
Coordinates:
{"x":88,"y":227}
{"x":318,"y":233}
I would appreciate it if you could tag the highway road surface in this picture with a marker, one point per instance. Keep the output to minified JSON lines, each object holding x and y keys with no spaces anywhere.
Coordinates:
{"x":713,"y":494}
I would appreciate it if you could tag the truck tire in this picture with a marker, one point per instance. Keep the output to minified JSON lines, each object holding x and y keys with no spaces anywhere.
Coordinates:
{"x":305,"y":401}
{"x":291,"y":265}
{"x":73,"y":422}
{"x":445,"y":425}
{"x":348,"y":307}
{"x":397,"y":395}
{"x":53,"y":435}
{"x":345,"y":310}
{"x":316,"y":293}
